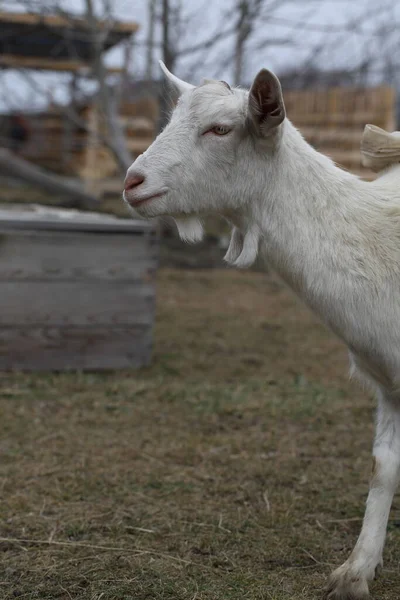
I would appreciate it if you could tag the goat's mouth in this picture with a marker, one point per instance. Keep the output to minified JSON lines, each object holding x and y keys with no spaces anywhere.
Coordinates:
{"x":138,"y":201}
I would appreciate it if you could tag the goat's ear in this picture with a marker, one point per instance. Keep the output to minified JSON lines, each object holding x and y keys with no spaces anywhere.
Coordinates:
{"x":266,"y":107}
{"x":180,"y":85}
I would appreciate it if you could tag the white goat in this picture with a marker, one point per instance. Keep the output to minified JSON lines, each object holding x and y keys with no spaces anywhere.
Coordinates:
{"x":333,"y":238}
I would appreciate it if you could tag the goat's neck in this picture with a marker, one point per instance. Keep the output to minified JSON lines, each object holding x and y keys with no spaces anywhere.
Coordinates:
{"x":300,"y":218}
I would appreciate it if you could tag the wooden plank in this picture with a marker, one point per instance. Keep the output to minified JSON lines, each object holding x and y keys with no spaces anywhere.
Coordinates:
{"x":142,"y":107}
{"x":74,"y":348}
{"x":364,"y":174}
{"x":12,"y":61}
{"x":75,"y":303}
{"x":320,"y":100}
{"x":356,"y":119}
{"x":91,"y":151}
{"x":38,"y":222}
{"x":343,"y":138}
{"x":348,"y":158}
{"x":76,"y":257}
{"x":65,"y":21}
{"x":138,"y":145}
{"x":391,"y":115}
{"x":138,"y":122}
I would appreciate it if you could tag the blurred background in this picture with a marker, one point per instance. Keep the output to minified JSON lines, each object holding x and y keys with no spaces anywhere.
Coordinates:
{"x":82,"y":93}
{"x":171,"y":429}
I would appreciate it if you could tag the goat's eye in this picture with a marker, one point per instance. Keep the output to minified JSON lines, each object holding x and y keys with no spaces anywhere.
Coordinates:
{"x":219,"y":130}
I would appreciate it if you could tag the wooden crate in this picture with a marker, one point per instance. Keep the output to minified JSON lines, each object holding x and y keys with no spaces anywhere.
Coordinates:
{"x":76,"y":290}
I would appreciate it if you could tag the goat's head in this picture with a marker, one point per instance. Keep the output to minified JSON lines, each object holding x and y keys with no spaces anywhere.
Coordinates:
{"x":204,"y":160}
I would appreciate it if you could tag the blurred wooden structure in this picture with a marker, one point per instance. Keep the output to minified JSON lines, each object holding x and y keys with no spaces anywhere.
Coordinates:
{"x":333,"y":119}
{"x":77,"y":290}
{"x":65,"y":147}
{"x":74,"y":148}
{"x":51,"y":139}
{"x":93,"y":162}
{"x":55,"y":42}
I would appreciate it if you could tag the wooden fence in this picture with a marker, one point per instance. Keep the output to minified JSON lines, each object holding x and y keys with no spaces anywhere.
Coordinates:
{"x":333,"y":119}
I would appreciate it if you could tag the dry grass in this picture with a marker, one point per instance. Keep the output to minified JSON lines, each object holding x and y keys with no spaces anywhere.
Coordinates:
{"x":234,"y":468}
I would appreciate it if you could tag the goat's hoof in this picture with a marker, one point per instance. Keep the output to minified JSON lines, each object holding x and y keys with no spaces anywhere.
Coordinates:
{"x":344,"y":584}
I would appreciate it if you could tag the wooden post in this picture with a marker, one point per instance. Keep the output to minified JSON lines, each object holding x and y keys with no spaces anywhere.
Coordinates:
{"x":89,"y":170}
{"x":150,"y":40}
{"x":68,"y":127}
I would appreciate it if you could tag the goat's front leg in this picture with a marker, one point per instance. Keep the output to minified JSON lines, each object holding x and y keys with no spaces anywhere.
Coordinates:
{"x":350,"y":581}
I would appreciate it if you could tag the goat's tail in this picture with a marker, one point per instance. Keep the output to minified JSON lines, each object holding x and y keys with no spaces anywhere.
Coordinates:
{"x":379,"y":149}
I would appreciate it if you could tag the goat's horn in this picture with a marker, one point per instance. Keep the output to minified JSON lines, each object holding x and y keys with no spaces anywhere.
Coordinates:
{"x":179,"y":83}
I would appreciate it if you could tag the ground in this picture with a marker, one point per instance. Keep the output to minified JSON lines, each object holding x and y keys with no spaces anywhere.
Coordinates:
{"x":233,"y":468}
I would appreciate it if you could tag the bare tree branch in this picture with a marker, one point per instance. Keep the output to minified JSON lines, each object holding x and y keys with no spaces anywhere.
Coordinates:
{"x":152,"y":5}
{"x":14,"y":166}
{"x":107,"y":103}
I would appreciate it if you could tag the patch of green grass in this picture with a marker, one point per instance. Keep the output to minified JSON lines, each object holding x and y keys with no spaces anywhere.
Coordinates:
{"x":235,"y":467}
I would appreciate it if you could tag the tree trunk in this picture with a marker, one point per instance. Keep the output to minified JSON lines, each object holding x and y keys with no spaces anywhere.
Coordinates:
{"x":107,"y":103}
{"x":243,"y":29}
{"x":168,"y":59}
{"x":150,"y":40}
{"x":14,"y":166}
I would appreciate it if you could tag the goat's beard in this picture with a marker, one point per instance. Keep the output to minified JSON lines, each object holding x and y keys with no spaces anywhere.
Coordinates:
{"x":190,"y":228}
{"x":243,"y":247}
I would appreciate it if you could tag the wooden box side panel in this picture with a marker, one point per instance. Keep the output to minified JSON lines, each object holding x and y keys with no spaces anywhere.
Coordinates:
{"x":73,"y":256}
{"x":76,"y":300}
{"x":74,"y":348}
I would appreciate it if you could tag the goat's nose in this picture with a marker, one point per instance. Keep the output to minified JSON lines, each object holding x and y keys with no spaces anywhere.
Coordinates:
{"x":132,"y":181}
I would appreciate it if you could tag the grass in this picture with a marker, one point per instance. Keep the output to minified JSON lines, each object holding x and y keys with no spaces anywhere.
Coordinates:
{"x":234,"y":468}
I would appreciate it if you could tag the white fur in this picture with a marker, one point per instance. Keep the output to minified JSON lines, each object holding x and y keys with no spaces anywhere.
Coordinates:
{"x":333,"y":238}
{"x":190,"y":229}
{"x":243,"y":248}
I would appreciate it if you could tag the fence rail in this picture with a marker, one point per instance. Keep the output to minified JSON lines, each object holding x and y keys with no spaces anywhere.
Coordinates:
{"x":333,"y":119}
